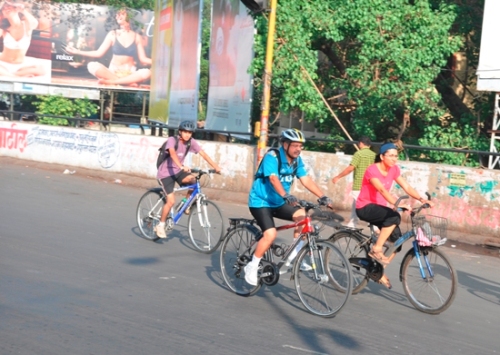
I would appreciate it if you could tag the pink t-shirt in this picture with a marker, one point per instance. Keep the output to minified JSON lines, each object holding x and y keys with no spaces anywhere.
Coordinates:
{"x":368,"y":193}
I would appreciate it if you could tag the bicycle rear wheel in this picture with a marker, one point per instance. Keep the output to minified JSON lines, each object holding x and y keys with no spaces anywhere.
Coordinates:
{"x":353,"y":247}
{"x":436,"y":292}
{"x":205,"y":226}
{"x":149,"y":212}
{"x":236,"y":252}
{"x":316,"y":288}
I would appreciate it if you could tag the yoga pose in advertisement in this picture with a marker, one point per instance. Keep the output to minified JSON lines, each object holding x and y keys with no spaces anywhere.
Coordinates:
{"x":16,"y":28}
{"x":126,"y":45}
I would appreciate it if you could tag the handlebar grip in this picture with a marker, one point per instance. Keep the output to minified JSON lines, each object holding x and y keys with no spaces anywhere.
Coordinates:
{"x":399,"y":200}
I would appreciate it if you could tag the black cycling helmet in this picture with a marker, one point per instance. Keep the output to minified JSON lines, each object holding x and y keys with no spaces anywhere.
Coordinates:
{"x":292,"y":135}
{"x":187,"y":126}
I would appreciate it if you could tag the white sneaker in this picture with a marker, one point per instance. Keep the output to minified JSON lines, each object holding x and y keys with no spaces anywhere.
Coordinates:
{"x":305,"y":266}
{"x":251,"y":274}
{"x":160,"y":231}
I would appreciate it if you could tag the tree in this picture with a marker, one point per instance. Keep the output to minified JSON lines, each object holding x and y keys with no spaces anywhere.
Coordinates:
{"x":64,"y":107}
{"x":377,"y":66}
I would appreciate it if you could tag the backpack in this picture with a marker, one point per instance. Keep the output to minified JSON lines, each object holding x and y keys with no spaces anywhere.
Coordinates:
{"x":278,"y":156}
{"x":165,"y":154}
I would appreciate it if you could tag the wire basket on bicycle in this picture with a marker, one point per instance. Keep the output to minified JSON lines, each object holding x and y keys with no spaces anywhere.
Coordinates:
{"x":430,"y":229}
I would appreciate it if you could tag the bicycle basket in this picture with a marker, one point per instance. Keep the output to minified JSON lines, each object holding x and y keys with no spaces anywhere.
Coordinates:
{"x":430,"y":230}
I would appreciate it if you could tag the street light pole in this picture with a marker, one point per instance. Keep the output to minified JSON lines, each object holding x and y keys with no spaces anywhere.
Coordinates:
{"x":266,"y":96}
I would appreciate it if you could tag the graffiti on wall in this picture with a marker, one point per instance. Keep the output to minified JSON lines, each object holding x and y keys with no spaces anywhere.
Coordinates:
{"x":142,"y":150}
{"x":106,"y":146}
{"x":13,"y":138}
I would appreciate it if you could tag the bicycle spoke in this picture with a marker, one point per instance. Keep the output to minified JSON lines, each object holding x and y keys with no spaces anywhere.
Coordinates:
{"x":236,"y":252}
{"x":429,"y":294}
{"x":316,"y":288}
{"x":148,"y":213}
{"x":205,"y":226}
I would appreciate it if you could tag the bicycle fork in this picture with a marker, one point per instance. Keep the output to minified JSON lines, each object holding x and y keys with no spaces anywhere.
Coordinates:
{"x":427,"y":263}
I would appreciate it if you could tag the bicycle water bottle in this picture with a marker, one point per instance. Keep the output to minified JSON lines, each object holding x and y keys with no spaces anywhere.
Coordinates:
{"x":180,"y":204}
{"x":295,"y":251}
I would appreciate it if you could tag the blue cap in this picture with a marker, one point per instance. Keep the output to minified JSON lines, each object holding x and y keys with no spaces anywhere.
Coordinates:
{"x":384,"y":148}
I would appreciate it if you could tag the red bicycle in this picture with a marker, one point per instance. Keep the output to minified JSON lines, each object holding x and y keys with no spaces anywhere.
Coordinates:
{"x":317,"y":269}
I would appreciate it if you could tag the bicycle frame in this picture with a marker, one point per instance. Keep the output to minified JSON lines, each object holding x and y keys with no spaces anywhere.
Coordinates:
{"x":399,"y":242}
{"x":307,"y":229}
{"x":196,"y":191}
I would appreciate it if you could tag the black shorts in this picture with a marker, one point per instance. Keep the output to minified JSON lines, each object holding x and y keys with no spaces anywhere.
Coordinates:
{"x":381,"y":216}
{"x":265,"y":215}
{"x":168,"y":183}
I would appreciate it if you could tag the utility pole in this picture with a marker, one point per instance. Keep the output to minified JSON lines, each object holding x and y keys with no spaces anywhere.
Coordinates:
{"x":266,"y":96}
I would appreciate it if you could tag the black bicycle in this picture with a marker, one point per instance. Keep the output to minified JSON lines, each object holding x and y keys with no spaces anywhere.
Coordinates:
{"x":428,"y":276}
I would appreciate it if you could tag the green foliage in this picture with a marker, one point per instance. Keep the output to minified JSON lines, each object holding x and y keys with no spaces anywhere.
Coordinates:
{"x":61,"y":106}
{"x":377,"y":67}
{"x":453,"y":136}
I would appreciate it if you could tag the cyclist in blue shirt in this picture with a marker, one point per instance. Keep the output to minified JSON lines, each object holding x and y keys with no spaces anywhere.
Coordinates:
{"x":270,"y":194}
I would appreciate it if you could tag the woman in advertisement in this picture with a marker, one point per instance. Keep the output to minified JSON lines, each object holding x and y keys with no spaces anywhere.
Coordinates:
{"x":16,"y":28}
{"x":126,"y":45}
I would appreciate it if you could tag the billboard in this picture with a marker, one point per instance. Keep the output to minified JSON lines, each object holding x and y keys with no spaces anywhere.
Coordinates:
{"x":231,"y":52}
{"x":186,"y":47}
{"x":160,"y":82}
{"x":488,"y":72}
{"x":75,"y":45}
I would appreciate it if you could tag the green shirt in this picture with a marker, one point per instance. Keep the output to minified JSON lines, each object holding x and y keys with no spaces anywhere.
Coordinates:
{"x":361,"y":160}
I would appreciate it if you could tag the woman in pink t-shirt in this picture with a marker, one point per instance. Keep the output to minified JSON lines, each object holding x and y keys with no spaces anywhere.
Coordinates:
{"x":374,"y":198}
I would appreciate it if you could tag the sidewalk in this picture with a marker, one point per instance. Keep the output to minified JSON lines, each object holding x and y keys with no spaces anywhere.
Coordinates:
{"x":470,"y":242}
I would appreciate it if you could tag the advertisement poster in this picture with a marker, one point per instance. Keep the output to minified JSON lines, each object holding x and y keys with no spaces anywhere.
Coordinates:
{"x":185,"y":74}
{"x":231,"y":52}
{"x":160,"y":82}
{"x":75,"y":45}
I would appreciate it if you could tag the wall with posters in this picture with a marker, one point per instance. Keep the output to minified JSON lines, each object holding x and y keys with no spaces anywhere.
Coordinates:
{"x":76,"y":45}
{"x":469,"y":198}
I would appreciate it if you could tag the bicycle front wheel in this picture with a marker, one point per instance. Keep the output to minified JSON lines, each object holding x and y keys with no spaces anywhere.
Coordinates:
{"x":149,"y":213}
{"x":434,"y":291}
{"x":236,"y":252}
{"x":316,"y":287}
{"x":205,"y":226}
{"x":353,"y":247}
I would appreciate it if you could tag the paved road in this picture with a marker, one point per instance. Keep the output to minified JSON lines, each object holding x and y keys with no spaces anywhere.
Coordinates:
{"x":76,"y":278}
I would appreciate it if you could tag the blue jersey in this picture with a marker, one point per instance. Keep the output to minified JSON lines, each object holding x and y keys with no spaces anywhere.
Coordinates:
{"x":262,"y":193}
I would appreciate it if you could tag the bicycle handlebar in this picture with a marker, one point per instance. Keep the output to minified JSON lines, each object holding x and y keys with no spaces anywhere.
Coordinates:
{"x":202,"y":171}
{"x":308,"y":205}
{"x":417,"y":210}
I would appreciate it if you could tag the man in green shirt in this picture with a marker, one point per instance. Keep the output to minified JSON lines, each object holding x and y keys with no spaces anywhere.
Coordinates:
{"x":361,"y":160}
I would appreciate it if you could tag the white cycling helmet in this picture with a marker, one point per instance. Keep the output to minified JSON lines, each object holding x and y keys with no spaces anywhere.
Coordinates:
{"x":292,"y":135}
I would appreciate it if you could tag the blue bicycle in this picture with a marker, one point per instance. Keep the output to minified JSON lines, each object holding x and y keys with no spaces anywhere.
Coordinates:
{"x":205,"y":222}
{"x":428,"y":276}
